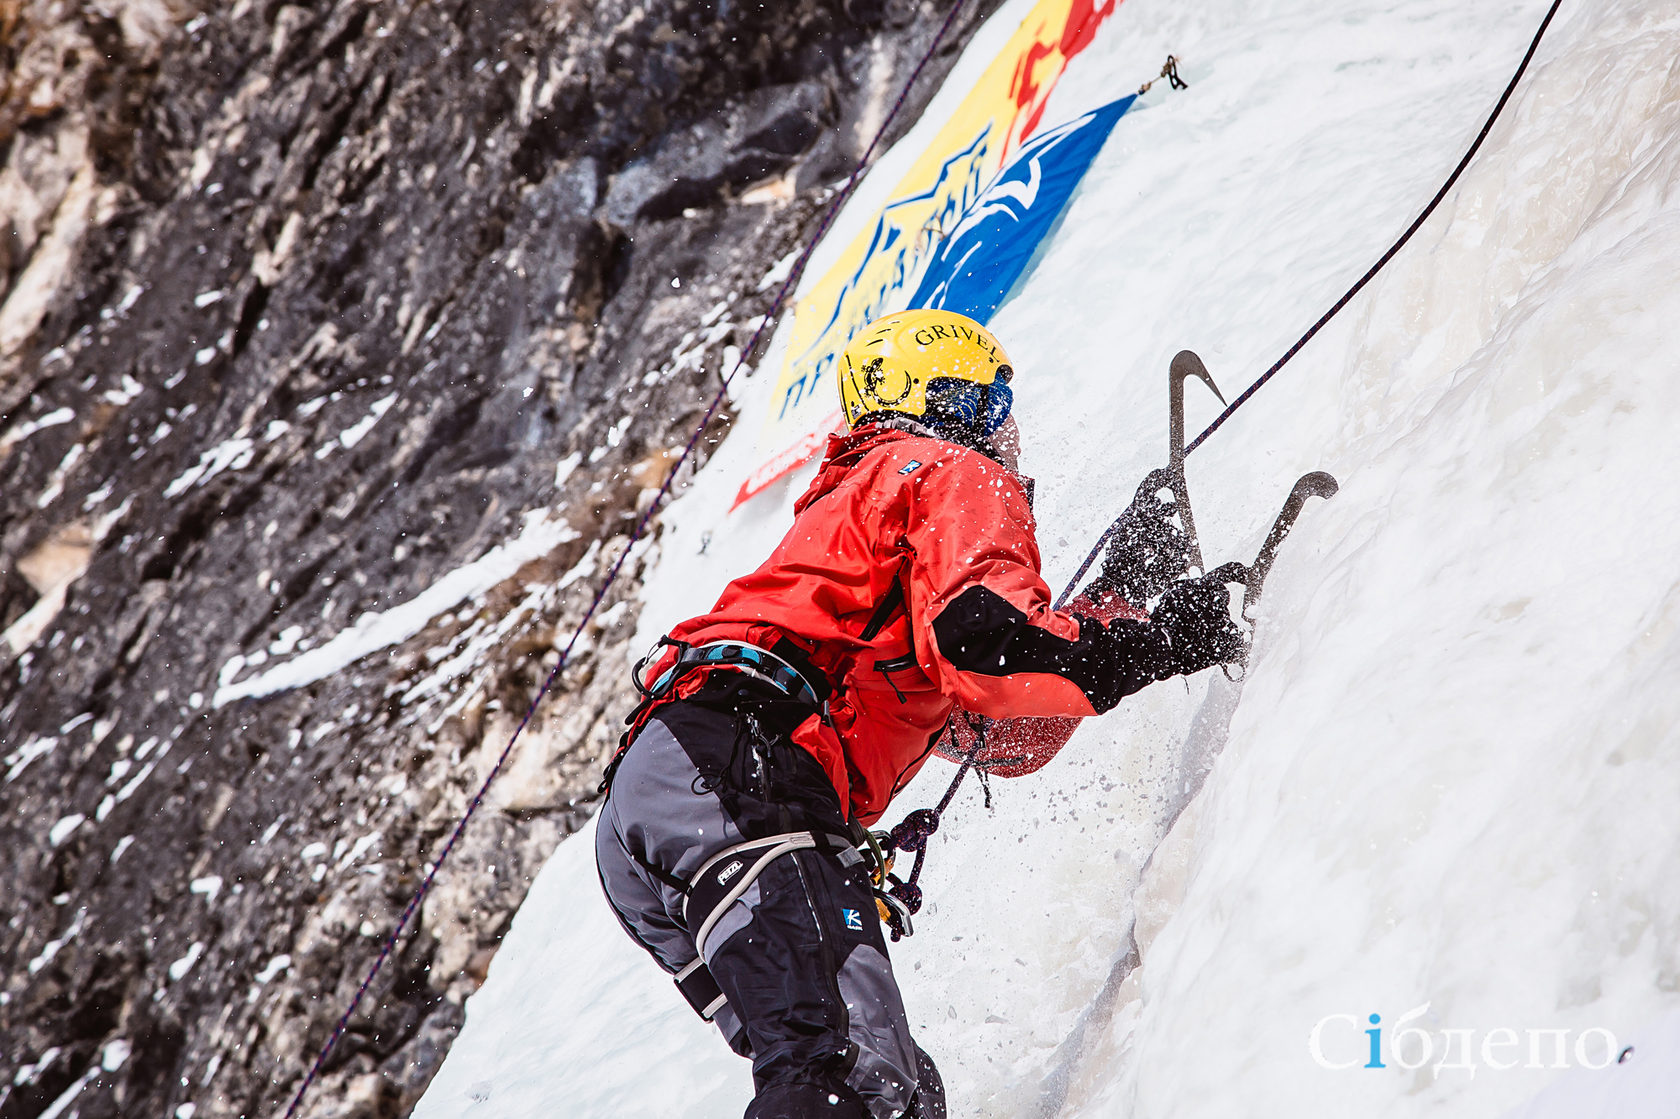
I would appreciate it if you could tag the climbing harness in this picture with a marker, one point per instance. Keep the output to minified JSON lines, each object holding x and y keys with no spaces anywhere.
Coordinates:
{"x":784,"y":666}
{"x":720,"y":882}
{"x":775,"y":666}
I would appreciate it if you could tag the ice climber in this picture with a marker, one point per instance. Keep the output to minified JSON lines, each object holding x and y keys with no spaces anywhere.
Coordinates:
{"x":779,"y":725}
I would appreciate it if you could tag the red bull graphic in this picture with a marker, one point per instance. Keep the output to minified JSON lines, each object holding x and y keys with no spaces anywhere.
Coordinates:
{"x":885,"y":262}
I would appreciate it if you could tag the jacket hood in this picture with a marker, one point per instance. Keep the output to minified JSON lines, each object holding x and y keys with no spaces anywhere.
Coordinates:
{"x":846,"y":449}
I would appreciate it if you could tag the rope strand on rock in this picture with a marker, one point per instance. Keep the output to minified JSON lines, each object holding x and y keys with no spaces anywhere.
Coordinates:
{"x":748,"y":352}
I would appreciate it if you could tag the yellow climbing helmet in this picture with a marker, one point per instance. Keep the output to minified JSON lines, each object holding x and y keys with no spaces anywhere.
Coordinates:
{"x":937,"y":366}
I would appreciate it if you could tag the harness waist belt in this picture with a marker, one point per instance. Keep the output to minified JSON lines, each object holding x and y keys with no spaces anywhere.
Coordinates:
{"x":760,"y":663}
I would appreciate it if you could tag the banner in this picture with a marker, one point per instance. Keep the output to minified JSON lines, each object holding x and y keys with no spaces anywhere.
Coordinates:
{"x":978,"y":262}
{"x":887,"y":258}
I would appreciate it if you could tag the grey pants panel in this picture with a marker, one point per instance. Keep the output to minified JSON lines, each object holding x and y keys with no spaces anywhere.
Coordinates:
{"x":800,"y":956}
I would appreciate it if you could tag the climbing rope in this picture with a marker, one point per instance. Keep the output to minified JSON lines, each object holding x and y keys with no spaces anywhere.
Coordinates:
{"x":920,"y":824}
{"x":776,"y":306}
{"x":1392,"y":249}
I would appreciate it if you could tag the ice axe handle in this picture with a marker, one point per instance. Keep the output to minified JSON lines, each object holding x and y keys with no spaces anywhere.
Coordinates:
{"x":1184,"y":364}
{"x":1316,"y":484}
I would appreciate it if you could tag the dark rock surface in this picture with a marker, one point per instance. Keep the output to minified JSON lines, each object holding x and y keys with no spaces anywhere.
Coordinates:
{"x":302,"y":309}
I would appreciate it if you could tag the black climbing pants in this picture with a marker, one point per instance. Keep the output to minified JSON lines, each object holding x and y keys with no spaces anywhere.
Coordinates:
{"x":798,"y":953}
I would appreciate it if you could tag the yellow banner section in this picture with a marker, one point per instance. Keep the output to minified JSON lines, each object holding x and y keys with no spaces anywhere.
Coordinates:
{"x":882,"y":263}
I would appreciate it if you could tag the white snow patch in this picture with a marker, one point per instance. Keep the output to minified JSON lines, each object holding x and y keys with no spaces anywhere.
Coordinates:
{"x":615,"y":436}
{"x":55,"y":485}
{"x":114,"y":1054}
{"x":274,"y":967}
{"x":210,"y":885}
{"x":124,"y":395}
{"x":780,"y":271}
{"x":285,"y":641}
{"x":18,"y":760}
{"x":24,"y":430}
{"x":358,"y":849}
{"x":63,"y":1102}
{"x":65,"y":827}
{"x":98,"y":496}
{"x":382,"y":629}
{"x":123,"y":844}
{"x":582,"y":567}
{"x":133,"y":786}
{"x":354,"y":434}
{"x":178,"y":970}
{"x":232,"y":454}
{"x":564,"y":468}
{"x":52,"y":948}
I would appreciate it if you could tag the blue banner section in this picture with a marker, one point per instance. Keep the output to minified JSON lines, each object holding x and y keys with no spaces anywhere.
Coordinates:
{"x":986,"y":254}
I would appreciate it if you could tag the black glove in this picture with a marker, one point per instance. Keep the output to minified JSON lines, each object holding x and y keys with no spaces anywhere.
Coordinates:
{"x":1196,"y":617}
{"x":1149,"y":550}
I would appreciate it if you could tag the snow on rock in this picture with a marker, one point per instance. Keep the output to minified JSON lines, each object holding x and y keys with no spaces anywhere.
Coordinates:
{"x":564,"y":468}
{"x":353,"y":434}
{"x":30,"y":427}
{"x":18,"y":760}
{"x":356,"y":850}
{"x":273,"y":968}
{"x":52,"y":948}
{"x":381,"y":629}
{"x":114,"y":1054}
{"x":178,"y":970}
{"x":55,"y":485}
{"x":62,"y":1104}
{"x":230,"y":454}
{"x":65,"y":826}
{"x":1444,"y":793}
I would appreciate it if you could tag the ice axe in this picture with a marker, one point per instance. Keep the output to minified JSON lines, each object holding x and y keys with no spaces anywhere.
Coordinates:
{"x":1318,"y":483}
{"x":1185,"y":364}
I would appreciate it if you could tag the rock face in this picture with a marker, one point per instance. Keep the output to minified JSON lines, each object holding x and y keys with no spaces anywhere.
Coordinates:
{"x":341,"y":348}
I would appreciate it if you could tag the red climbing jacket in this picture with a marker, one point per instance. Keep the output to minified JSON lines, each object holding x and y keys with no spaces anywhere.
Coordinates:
{"x":972,"y":625}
